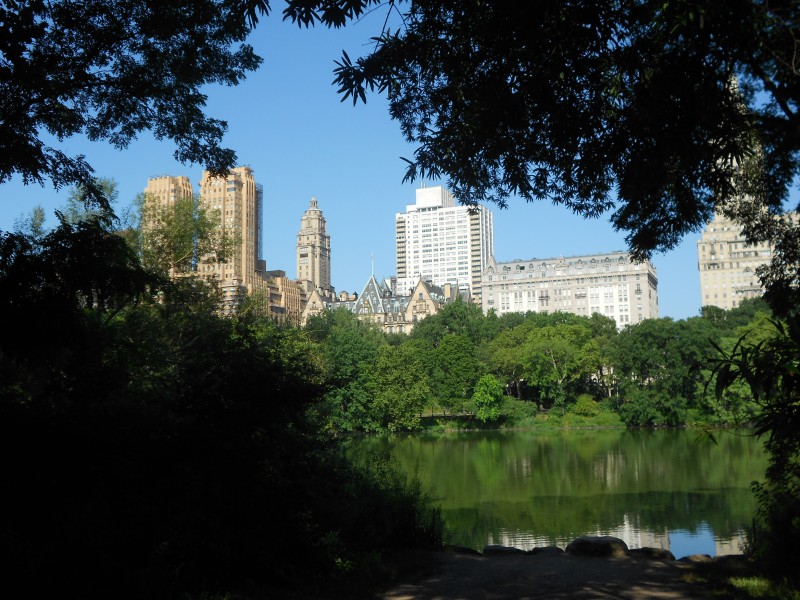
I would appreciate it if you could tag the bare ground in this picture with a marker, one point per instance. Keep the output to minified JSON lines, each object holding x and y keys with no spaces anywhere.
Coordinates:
{"x":460,"y":576}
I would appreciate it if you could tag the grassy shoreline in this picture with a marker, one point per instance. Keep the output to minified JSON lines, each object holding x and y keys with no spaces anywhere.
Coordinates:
{"x":525,"y":416}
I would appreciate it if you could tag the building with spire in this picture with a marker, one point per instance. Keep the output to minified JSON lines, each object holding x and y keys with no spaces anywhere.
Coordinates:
{"x":314,"y":248}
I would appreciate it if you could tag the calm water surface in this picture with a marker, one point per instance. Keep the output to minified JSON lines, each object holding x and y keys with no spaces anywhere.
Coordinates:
{"x":663,"y":489}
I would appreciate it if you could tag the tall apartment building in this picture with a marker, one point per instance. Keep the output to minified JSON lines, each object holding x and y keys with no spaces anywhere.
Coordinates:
{"x":314,"y":248}
{"x":438,"y":241}
{"x":238,"y":200}
{"x":169,"y":188}
{"x":609,"y":284}
{"x":166,"y":190}
{"x":727,"y":264}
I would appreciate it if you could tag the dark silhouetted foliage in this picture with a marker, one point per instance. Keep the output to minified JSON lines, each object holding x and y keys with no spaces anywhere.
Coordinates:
{"x":110,"y":69}
{"x":156,"y":449}
{"x":771,"y":369}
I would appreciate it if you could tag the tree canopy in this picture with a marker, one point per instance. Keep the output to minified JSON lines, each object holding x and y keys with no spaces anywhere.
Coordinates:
{"x":655,"y":113}
{"x":110,"y":69}
{"x":175,"y":238}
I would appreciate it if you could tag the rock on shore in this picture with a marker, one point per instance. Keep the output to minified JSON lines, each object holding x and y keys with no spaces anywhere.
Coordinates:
{"x":591,"y":567}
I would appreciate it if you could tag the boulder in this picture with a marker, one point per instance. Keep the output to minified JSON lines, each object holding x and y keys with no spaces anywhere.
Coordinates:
{"x":460,"y":550}
{"x":547,"y":550}
{"x":697,"y":559}
{"x":655,"y":553}
{"x":495,"y":549}
{"x":734,"y":564}
{"x":597,"y":545}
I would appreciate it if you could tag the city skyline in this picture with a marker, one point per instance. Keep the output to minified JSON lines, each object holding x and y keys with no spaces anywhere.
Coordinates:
{"x":287,"y":123}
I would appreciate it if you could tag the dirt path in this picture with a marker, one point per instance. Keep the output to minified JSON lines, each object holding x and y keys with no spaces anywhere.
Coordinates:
{"x":454,"y":576}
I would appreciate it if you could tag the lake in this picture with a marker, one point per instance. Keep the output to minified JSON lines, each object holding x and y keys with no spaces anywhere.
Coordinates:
{"x":672,"y":489}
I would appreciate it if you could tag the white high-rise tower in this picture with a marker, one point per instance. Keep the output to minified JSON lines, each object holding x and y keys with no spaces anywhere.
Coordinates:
{"x":439,"y":241}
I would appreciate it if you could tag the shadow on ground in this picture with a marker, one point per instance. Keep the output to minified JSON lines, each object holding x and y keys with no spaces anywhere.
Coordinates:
{"x":457,"y":576}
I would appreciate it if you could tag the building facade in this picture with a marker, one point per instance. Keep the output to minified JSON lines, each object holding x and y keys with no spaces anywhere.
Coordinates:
{"x":279,"y":297}
{"x":168,"y":188}
{"x":237,"y":199}
{"x":438,"y":241}
{"x":165,"y":191}
{"x":610,"y":284}
{"x":727,"y":264}
{"x":314,"y":248}
{"x":378,"y":304}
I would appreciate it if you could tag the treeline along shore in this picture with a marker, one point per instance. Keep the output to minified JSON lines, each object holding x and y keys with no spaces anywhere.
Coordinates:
{"x":462,"y":369}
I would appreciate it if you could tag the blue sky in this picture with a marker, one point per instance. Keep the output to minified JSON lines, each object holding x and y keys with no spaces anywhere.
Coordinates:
{"x":287,"y":123}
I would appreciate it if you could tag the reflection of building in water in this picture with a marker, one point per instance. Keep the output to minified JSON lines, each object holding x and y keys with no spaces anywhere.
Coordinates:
{"x":632,"y":535}
{"x":524,"y":540}
{"x":732,"y":545}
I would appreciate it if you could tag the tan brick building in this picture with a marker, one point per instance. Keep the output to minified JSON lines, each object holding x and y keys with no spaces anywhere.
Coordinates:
{"x":168,"y":188}
{"x":237,"y":200}
{"x":165,"y":191}
{"x":727,"y":264}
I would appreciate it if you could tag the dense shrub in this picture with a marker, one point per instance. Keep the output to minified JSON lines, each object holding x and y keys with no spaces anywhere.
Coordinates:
{"x":646,"y":409}
{"x":518,"y":413}
{"x":585,"y":406}
{"x":486,"y":398}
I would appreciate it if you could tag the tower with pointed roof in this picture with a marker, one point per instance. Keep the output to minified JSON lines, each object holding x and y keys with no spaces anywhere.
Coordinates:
{"x":314,"y":248}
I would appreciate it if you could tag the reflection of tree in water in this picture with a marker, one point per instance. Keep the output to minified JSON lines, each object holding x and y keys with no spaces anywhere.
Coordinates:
{"x":562,"y":484}
{"x":475,"y":529}
{"x":553,"y":520}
